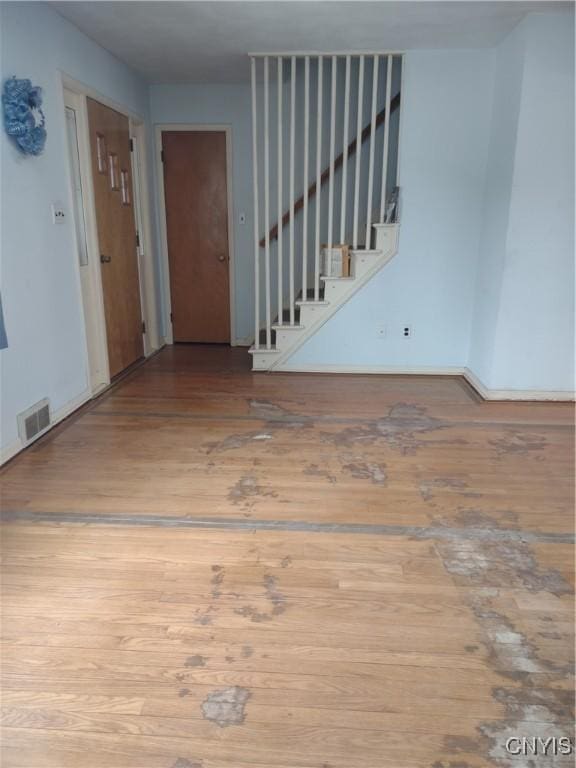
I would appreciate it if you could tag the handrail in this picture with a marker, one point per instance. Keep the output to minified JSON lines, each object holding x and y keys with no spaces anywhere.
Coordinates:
{"x":299,"y":204}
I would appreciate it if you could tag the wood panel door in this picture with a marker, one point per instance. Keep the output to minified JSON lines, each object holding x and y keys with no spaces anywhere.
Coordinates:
{"x":113,"y":192}
{"x":197,"y":229}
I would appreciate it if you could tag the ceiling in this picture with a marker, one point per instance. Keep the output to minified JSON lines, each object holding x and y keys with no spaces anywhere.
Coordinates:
{"x":207,"y":42}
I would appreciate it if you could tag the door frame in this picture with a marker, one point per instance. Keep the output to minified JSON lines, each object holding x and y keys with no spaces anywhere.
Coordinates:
{"x":194,"y":127}
{"x":75,"y":93}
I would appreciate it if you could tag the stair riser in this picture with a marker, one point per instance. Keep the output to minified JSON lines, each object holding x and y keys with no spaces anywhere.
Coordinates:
{"x":363,"y":264}
{"x":261,"y":361}
{"x":334,"y":291}
{"x":386,"y":237}
{"x":309,"y":315}
{"x":285,"y":338}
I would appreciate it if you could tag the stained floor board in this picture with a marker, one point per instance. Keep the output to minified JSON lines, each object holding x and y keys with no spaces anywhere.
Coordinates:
{"x":422,"y":642}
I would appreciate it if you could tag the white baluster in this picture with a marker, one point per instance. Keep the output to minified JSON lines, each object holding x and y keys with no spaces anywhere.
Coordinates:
{"x":306,"y":161}
{"x":386,"y":138}
{"x":267,"y":197}
{"x":345,"y":152}
{"x":332,"y":152}
{"x":255,"y":189}
{"x":318,"y":181}
{"x":280,"y":212}
{"x":372,"y":148}
{"x":292,"y":148}
{"x":358,"y":148}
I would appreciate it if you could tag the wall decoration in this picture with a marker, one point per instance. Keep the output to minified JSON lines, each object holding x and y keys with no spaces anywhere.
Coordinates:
{"x":24,"y":120}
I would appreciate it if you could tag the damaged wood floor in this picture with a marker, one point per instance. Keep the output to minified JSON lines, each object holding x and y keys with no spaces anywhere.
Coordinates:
{"x":209,"y":568}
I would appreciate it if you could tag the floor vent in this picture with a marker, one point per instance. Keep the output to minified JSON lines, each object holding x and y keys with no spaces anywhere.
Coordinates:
{"x":33,"y":421}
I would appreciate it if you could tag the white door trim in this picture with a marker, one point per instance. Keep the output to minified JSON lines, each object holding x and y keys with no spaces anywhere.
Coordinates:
{"x":75,"y":95}
{"x":217,"y":128}
{"x":90,"y":282}
{"x":146,"y":267}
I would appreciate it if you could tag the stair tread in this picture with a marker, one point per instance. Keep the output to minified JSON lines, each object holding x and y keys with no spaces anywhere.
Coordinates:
{"x":330,"y":277}
{"x":285,"y":326}
{"x":253,"y":349}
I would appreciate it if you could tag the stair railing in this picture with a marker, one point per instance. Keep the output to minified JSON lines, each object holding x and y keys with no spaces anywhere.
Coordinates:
{"x":350,"y":185}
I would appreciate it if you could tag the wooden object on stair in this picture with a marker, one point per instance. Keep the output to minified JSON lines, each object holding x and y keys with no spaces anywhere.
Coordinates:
{"x":299,"y":204}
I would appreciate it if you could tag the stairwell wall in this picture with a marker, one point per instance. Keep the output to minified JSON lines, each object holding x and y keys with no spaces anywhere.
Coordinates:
{"x":430,"y":284}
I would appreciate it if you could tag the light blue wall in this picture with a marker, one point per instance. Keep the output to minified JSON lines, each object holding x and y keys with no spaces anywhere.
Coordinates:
{"x":523,"y":333}
{"x":39,"y":278}
{"x":504,"y":109}
{"x":230,"y":105}
{"x":429,"y":285}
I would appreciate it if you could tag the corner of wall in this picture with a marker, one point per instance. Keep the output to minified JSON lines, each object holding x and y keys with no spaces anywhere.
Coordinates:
{"x":497,"y":196}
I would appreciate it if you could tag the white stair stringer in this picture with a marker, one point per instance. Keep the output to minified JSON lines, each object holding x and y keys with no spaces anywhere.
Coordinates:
{"x":337,"y":291}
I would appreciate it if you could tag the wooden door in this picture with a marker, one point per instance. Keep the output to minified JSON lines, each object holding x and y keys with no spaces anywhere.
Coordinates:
{"x":111,"y":171}
{"x":197,"y":228}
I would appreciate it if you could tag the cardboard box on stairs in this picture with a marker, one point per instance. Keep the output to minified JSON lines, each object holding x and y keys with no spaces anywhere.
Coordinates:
{"x":336,"y":261}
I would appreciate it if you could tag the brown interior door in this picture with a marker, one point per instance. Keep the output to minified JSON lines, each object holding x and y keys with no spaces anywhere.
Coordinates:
{"x":197,"y":229}
{"x":112,"y":174}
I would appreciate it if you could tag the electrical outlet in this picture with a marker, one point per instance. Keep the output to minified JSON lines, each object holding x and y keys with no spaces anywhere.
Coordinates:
{"x":58,"y":213}
{"x":407,"y":331}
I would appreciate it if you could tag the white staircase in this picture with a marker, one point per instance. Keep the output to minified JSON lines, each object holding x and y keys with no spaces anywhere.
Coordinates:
{"x":311,"y":315}
{"x":319,"y":120}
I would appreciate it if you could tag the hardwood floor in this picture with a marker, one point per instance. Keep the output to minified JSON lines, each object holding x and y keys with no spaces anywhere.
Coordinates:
{"x":210,"y":568}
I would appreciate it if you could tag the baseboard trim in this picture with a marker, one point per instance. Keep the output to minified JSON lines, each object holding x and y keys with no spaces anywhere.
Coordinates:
{"x":374,"y":369}
{"x":534,"y":395}
{"x":57,"y":416}
{"x":10,"y":451}
{"x":476,"y":383}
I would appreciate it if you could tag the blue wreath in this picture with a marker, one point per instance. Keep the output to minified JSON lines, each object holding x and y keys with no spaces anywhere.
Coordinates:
{"x":22,"y":103}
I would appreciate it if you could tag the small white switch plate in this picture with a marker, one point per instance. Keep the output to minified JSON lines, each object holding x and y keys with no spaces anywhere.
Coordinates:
{"x":58,"y":213}
{"x":242,"y":218}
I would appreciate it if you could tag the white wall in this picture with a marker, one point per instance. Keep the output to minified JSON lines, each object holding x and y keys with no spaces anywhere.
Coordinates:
{"x":39,"y":280}
{"x":429,"y":285}
{"x":229,"y":105}
{"x":523,"y":334}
